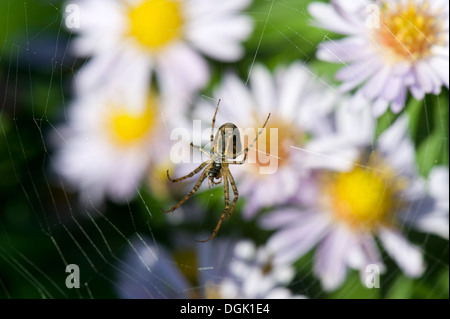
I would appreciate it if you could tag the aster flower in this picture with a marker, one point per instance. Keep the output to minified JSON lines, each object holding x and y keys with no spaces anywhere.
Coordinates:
{"x":437,"y":221}
{"x":255,"y":276}
{"x":220,"y":269}
{"x":106,"y":146}
{"x":381,"y":196}
{"x":391,"y":46}
{"x":299,"y":104}
{"x":138,"y":37}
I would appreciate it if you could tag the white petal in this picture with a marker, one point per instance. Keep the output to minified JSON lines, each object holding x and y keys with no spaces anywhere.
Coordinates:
{"x":330,"y":263}
{"x":263,"y":89}
{"x":379,"y":107}
{"x":281,"y":293}
{"x":392,"y":88}
{"x":439,"y":185}
{"x":357,"y":126}
{"x":441,"y":67}
{"x":236,"y":98}
{"x":182,"y":71}
{"x":329,"y":19}
{"x":428,"y":80}
{"x":291,"y":243}
{"x":407,"y":256}
{"x":375,"y":85}
{"x":397,"y":147}
{"x":236,"y":27}
{"x":344,"y":50}
{"x":417,"y":91}
{"x":358,"y":101}
{"x":431,"y":213}
{"x":280,"y":218}
{"x":422,"y":77}
{"x":434,"y":222}
{"x":333,"y":153}
{"x":360,"y":74}
{"x":245,"y":249}
{"x":365,"y":252}
{"x":222,"y":40}
{"x":398,"y":103}
{"x":360,"y":69}
{"x":218,"y":7}
{"x":291,"y":85}
{"x":129,"y":77}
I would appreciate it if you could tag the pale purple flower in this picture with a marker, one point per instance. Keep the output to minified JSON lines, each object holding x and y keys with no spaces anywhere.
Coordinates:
{"x":380,"y":196}
{"x":225,"y":268}
{"x":438,"y":220}
{"x":299,"y":104}
{"x":390,"y":47}
{"x":255,"y":276}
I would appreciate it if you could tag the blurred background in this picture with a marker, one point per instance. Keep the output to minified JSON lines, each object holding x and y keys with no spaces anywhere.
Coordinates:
{"x":43,"y":226}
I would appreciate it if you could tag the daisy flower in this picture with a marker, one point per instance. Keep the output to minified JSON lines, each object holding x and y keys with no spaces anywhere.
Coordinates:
{"x":106,"y":146}
{"x":220,"y":269}
{"x":381,"y":196}
{"x":255,"y":276}
{"x":437,"y":221}
{"x":129,"y":40}
{"x":299,"y":104}
{"x":391,"y":46}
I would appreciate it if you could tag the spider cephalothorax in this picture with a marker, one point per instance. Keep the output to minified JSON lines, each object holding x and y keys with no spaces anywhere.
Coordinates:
{"x":226,"y":148}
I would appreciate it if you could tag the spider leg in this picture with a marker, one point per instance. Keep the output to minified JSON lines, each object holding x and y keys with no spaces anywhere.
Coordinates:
{"x":224,"y":213}
{"x":235,"y":192}
{"x":245,"y":151}
{"x":239,"y":162}
{"x":200,"y":149}
{"x":196,"y":186}
{"x":214,"y":121}
{"x":195,"y":171}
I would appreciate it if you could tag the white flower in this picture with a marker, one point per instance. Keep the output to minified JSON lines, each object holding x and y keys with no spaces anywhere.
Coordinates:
{"x":219,"y":269}
{"x":255,"y":276}
{"x":106,"y":146}
{"x":380,"y":196}
{"x":390,"y":47}
{"x":129,"y":40}
{"x":299,"y":104}
{"x":437,"y":221}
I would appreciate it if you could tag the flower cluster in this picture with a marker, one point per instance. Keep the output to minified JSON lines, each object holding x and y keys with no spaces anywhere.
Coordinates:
{"x":340,"y":184}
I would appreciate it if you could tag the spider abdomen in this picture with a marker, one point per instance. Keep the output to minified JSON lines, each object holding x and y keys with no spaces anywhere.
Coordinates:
{"x":227,"y":143}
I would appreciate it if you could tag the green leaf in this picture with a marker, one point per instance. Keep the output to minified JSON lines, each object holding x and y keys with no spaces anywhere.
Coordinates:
{"x":429,"y":129}
{"x":401,"y":288}
{"x":353,"y":288}
{"x":429,"y":153}
{"x":21,"y":21}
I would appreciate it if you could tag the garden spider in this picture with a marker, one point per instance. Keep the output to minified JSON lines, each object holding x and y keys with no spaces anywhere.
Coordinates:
{"x":226,"y":146}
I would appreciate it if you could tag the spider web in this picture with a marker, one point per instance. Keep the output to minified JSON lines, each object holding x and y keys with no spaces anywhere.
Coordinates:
{"x":43,"y":227}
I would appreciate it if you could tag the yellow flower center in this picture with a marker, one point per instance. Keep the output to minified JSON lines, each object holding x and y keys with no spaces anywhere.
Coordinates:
{"x":129,"y":128}
{"x":212,"y":291}
{"x":409,"y":31}
{"x":157,"y":179}
{"x":186,"y":261}
{"x":276,"y":142}
{"x":155,"y":23}
{"x":364,"y":197}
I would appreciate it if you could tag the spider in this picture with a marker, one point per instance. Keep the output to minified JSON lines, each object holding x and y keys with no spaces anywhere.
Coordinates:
{"x":226,"y":147}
